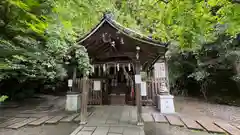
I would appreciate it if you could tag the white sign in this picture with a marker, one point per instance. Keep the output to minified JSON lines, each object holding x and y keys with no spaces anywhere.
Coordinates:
{"x":138,"y":79}
{"x":97,"y":85}
{"x":159,"y":70}
{"x":70,"y":83}
{"x":143,"y":89}
{"x":162,"y":72}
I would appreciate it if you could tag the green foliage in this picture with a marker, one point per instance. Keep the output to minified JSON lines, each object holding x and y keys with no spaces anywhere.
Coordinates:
{"x":38,"y":37}
{"x":3,"y":98}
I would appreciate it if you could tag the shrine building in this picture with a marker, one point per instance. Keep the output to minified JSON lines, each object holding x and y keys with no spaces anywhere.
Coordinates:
{"x":128,"y":69}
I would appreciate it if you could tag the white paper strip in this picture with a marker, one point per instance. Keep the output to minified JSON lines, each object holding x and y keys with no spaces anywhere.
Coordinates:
{"x":138,"y":79}
{"x":97,"y":85}
{"x":70,"y":83}
{"x":143,"y":89}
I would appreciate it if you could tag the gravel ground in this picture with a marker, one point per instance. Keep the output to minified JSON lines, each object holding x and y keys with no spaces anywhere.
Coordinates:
{"x":195,"y":107}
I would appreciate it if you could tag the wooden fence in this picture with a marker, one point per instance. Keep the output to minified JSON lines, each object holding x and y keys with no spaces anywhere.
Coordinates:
{"x":153,"y":89}
{"x":94,"y":97}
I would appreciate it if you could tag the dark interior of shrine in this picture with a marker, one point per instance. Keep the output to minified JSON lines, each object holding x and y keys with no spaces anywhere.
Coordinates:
{"x":119,"y":84}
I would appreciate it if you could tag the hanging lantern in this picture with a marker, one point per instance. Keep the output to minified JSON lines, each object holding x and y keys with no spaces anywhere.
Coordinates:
{"x":129,"y":67}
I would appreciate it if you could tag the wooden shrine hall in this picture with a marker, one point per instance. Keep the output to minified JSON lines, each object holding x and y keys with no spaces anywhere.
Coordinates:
{"x":128,"y":69}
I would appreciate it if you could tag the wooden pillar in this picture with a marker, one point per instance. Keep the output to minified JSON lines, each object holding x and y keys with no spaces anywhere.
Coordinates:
{"x":167,"y":75}
{"x":138,"y":89}
{"x":84,"y":101}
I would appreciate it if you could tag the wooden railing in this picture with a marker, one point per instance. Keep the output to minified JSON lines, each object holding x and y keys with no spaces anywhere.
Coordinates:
{"x":153,"y":89}
{"x":94,"y":97}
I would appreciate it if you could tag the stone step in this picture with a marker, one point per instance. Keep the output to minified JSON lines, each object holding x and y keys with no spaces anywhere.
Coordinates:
{"x":159,"y":118}
{"x":174,"y":120}
{"x":191,"y":124}
{"x":228,"y":128}
{"x":11,"y":121}
{"x":210,"y":126}
{"x":40,"y":121}
{"x":54,"y":120}
{"x":70,"y":118}
{"x":22,"y":123}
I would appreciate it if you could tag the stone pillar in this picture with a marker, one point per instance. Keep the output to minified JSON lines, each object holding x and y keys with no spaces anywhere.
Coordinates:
{"x":73,"y":97}
{"x":164,"y":99}
{"x":73,"y":102}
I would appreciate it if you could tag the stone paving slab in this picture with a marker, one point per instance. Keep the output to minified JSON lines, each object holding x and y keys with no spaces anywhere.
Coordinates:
{"x":76,"y":130}
{"x":159,"y":118}
{"x":238,"y":126}
{"x":34,"y":115}
{"x":118,"y":130}
{"x":133,"y":131}
{"x":147,"y":117}
{"x":191,"y":124}
{"x":70,"y":118}
{"x":22,"y":123}
{"x":85,"y":133}
{"x":112,"y":121}
{"x":101,"y":131}
{"x":210,"y":126}
{"x":40,"y":121}
{"x":88,"y":128}
{"x":78,"y":118}
{"x":228,"y":128}
{"x":174,"y":120}
{"x":54,"y":120}
{"x":11,"y":121}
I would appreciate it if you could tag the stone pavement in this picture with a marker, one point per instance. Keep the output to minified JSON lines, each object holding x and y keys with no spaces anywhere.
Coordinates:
{"x":112,"y":120}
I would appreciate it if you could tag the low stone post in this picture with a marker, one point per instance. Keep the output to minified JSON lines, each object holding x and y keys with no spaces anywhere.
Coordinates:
{"x":72,"y":99}
{"x":165,"y":101}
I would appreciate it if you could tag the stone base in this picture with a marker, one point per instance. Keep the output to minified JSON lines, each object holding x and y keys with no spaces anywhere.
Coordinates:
{"x":166,"y":103}
{"x":73,"y":101}
{"x":140,"y":124}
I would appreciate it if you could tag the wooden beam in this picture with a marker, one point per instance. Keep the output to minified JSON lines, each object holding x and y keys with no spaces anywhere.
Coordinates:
{"x":138,"y":90}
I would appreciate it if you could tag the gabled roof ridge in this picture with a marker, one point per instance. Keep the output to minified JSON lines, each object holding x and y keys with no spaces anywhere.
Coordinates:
{"x":124,"y":30}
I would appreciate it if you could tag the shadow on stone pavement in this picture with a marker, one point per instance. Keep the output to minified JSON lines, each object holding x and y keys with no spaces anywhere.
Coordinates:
{"x":166,"y":129}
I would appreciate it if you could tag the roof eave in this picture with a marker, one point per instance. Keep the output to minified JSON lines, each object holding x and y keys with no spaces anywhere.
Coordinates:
{"x":119,"y":27}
